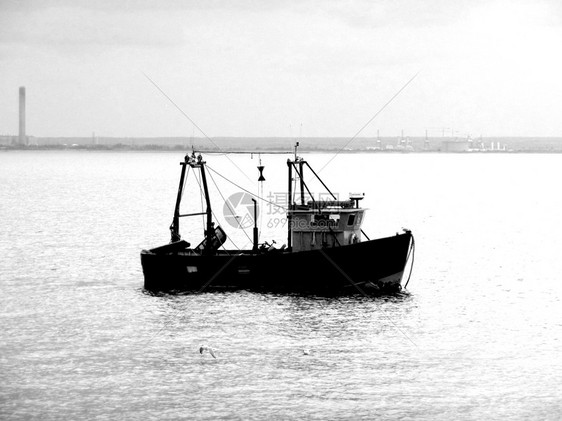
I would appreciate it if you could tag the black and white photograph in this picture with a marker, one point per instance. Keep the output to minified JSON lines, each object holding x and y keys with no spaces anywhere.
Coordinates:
{"x":276,"y":210}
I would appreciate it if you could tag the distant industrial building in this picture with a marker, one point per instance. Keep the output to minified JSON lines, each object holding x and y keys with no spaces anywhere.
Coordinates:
{"x":456,"y":145}
{"x":22,"y":138}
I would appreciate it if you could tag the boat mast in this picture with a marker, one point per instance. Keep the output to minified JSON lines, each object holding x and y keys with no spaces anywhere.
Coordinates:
{"x":175,"y":227}
{"x":209,"y":232}
{"x":301,"y":176}
{"x":256,"y":236}
{"x":289,"y":203}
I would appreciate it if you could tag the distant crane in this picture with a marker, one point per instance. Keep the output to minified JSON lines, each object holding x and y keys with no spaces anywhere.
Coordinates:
{"x":443,"y":130}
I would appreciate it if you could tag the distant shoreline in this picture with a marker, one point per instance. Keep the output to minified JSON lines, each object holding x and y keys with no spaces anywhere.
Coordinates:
{"x":396,"y":144}
{"x":152,"y":148}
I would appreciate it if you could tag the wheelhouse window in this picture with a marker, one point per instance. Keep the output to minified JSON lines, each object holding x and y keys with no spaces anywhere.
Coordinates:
{"x":324,"y":220}
{"x":351,"y":219}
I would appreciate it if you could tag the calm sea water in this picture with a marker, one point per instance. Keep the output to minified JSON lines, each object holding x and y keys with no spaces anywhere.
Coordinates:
{"x":479,"y":336}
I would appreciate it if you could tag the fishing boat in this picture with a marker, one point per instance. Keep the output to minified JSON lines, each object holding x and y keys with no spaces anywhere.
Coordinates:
{"x":327,"y":251}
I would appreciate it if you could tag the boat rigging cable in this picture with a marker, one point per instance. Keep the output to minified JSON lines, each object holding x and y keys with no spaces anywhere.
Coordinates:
{"x":370,"y":120}
{"x":201,"y":198}
{"x":215,"y":216}
{"x":324,"y":166}
{"x":274,"y":152}
{"x":185,"y":181}
{"x":247,"y":191}
{"x":222,"y":153}
{"x":192,"y":122}
{"x":227,"y":203}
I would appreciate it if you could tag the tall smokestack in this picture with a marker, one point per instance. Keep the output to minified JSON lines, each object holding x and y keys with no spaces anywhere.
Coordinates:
{"x":22,"y":137}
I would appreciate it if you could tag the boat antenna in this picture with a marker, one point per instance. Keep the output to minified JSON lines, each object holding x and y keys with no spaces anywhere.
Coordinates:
{"x":261,"y":179}
{"x":192,"y":136}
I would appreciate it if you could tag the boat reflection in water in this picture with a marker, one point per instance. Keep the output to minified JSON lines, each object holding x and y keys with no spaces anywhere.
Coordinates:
{"x":326,"y":252}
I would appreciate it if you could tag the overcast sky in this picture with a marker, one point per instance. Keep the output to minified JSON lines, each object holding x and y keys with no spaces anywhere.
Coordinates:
{"x":282,"y":68}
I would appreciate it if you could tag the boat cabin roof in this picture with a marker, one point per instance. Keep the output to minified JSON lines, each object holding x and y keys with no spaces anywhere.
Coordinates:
{"x":327,"y":206}
{"x":330,"y":210}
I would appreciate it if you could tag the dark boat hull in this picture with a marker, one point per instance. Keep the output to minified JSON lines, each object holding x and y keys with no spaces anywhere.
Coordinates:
{"x":374,"y":266}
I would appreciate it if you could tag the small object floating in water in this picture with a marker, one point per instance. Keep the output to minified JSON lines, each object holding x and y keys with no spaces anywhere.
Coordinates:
{"x":204,"y":348}
{"x":306,"y":351}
